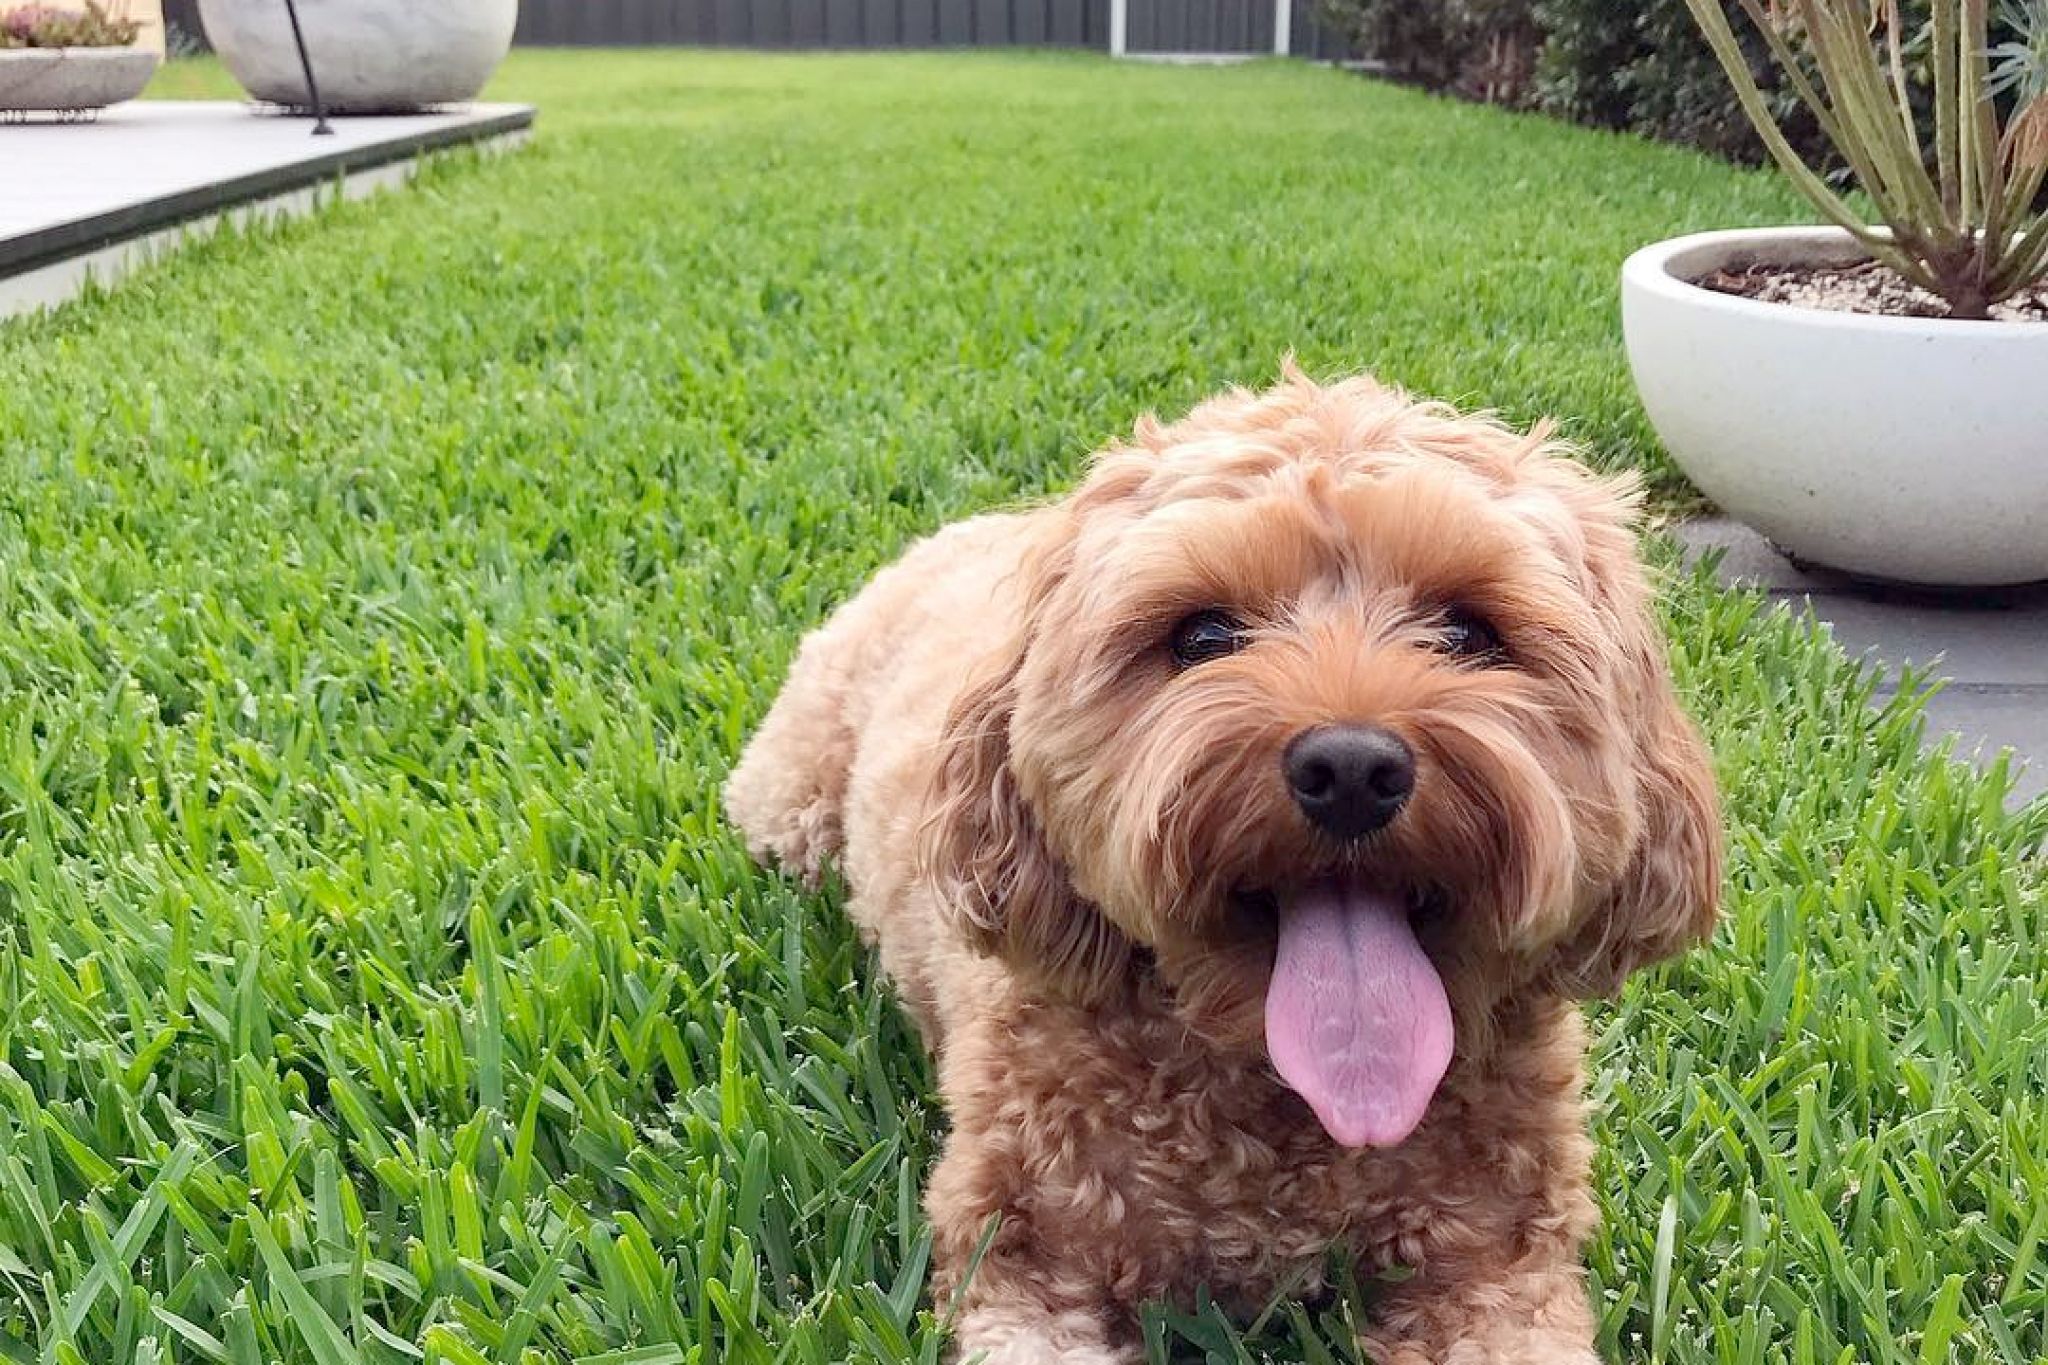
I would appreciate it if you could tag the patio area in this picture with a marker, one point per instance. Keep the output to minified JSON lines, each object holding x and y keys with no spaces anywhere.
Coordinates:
{"x":1989,"y":652}
{"x":95,"y":200}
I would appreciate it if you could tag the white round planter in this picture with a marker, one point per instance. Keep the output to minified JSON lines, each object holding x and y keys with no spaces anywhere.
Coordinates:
{"x":1908,"y":449}
{"x":71,"y":79}
{"x":368,"y":56}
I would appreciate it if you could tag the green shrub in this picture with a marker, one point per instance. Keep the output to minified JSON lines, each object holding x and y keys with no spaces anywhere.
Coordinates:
{"x":1650,"y":71}
{"x":1582,"y":73}
{"x":1646,"y":68}
{"x":1482,"y":49}
{"x":1643,"y":67}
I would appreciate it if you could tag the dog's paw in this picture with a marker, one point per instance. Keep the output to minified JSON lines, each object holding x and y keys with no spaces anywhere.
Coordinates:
{"x":1536,"y":1353}
{"x":1014,"y":1338}
{"x":1571,"y":1355}
{"x":1531,"y":1351}
{"x":1040,"y":1350}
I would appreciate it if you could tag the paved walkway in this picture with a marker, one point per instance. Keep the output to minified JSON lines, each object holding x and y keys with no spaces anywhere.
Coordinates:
{"x":1994,"y":655}
{"x":81,"y":200}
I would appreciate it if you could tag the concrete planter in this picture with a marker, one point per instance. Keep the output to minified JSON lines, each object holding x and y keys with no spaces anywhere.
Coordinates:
{"x":1908,"y":449}
{"x":70,"y":80}
{"x":369,"y":56}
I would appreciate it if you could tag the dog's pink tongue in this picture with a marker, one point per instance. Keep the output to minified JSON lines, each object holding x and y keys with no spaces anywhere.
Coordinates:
{"x":1357,"y":1021}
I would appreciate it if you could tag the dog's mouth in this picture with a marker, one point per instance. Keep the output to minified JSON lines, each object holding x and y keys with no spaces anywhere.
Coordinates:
{"x":1429,"y":907}
{"x":1357,"y":1020}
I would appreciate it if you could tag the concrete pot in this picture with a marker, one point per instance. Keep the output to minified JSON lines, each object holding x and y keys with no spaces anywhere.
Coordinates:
{"x":369,"y":56}
{"x":71,"y":79}
{"x":1913,"y":450}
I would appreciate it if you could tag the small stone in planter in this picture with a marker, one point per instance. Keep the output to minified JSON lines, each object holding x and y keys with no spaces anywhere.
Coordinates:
{"x":1865,"y":287}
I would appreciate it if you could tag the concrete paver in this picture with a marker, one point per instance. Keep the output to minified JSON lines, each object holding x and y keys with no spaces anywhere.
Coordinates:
{"x":98,"y":199}
{"x":1990,"y":649}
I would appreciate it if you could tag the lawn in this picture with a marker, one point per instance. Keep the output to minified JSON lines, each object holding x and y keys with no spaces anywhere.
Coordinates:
{"x":383,"y":598}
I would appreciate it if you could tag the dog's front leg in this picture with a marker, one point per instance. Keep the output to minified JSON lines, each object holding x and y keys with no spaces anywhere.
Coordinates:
{"x":1025,"y":1293}
{"x":1477,"y":1308}
{"x":1021,"y":1334}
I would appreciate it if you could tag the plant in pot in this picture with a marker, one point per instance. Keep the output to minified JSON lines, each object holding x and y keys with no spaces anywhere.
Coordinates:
{"x":368,"y":56}
{"x":1872,"y":395}
{"x":69,"y":62}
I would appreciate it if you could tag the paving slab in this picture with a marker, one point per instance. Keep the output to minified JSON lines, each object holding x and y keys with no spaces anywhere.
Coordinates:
{"x":1989,"y":649}
{"x":94,"y":200}
{"x":1988,"y":719}
{"x":1995,"y":645}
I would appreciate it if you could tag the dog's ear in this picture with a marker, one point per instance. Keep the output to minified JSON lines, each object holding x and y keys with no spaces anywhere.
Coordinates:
{"x":1666,"y":896}
{"x":983,"y":849}
{"x":1668,"y":893}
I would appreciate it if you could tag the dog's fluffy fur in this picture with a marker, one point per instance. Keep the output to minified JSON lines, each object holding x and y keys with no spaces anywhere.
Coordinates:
{"x":1066,"y":849}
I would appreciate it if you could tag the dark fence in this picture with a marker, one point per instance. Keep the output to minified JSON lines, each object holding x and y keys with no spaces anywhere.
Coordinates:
{"x":1227,"y":26}
{"x":816,"y":23}
{"x":1199,"y":26}
{"x":1151,"y":25}
{"x":1316,"y":40}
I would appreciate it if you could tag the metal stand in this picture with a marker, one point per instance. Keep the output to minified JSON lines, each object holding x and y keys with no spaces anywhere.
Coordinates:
{"x":320,"y":125}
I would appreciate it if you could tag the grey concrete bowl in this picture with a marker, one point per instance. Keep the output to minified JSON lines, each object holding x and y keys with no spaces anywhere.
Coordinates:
{"x":71,"y":79}
{"x":368,"y":56}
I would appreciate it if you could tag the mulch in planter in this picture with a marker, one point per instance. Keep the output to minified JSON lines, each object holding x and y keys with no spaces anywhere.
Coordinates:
{"x":1865,"y":287}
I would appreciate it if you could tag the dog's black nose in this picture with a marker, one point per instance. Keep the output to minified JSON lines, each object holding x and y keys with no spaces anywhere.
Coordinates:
{"x":1349,"y":780}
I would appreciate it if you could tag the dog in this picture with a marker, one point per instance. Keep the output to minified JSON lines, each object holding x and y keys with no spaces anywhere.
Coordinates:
{"x":1241,"y":831}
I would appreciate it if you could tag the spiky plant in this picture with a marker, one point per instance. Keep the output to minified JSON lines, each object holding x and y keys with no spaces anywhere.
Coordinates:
{"x":1962,"y":218}
{"x":39,"y":25}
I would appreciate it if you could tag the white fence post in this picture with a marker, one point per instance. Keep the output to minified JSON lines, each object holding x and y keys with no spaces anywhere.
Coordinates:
{"x":1283,"y":27}
{"x":1119,"y":19}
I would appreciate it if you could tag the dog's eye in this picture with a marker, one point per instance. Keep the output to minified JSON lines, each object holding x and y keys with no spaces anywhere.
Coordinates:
{"x":1204,"y":636}
{"x":1465,"y":634}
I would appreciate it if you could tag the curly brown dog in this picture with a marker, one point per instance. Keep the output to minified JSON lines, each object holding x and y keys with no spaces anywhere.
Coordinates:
{"x":1240,"y":830}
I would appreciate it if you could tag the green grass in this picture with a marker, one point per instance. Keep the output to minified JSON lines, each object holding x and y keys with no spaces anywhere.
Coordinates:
{"x":382,"y":600}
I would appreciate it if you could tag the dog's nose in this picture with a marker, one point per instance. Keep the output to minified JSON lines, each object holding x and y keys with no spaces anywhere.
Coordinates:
{"x":1349,"y":780}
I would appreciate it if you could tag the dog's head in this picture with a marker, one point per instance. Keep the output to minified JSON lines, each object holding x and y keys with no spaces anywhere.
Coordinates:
{"x":1351,"y":714}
